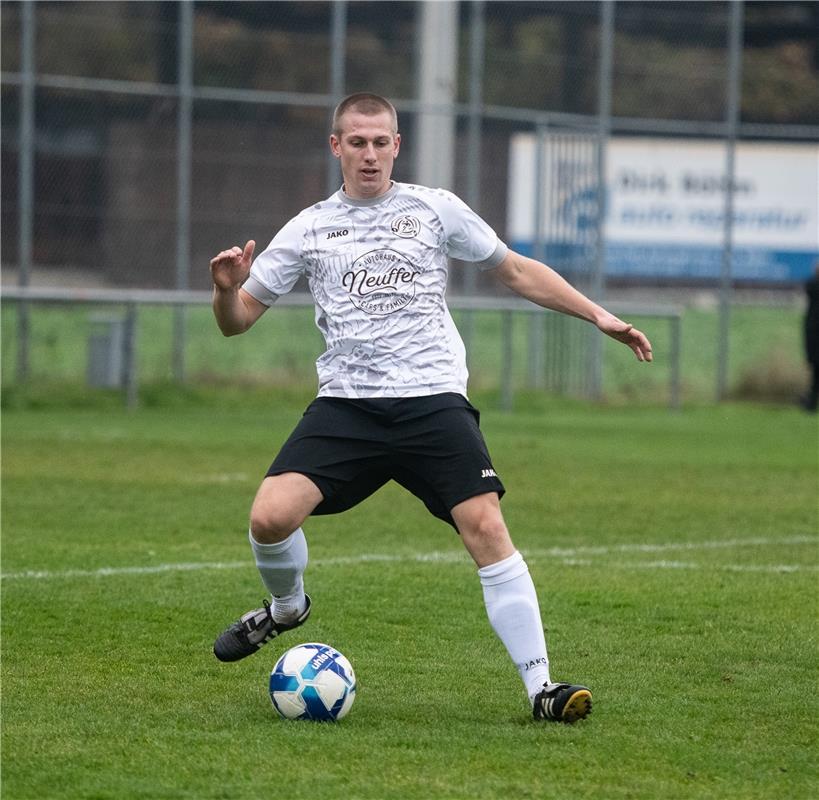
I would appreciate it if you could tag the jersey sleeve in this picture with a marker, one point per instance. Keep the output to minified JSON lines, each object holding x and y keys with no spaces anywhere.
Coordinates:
{"x":468,"y":237}
{"x":276,"y":270}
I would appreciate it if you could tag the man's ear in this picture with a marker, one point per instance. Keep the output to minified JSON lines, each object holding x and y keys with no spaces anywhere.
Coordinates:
{"x":335,"y":145}
{"x":397,"y":144}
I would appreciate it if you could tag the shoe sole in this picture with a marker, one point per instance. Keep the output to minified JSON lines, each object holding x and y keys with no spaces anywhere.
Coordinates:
{"x":578,"y":706}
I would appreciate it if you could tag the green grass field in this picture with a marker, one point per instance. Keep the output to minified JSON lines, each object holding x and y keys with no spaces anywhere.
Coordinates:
{"x":675,"y":556}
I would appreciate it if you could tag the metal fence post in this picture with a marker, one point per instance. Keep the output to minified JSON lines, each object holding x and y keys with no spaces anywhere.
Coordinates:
{"x":477,"y":35}
{"x":734,"y":89}
{"x":129,"y":358}
{"x":536,"y":350}
{"x":603,"y":133}
{"x":536,"y":320}
{"x":507,"y":388}
{"x":675,"y":325}
{"x":338,"y":80}
{"x":183,"y":178}
{"x":26,"y":146}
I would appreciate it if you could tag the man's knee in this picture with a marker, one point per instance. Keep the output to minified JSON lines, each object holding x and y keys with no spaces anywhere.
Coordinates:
{"x":482,"y":528}
{"x":270,"y":525}
{"x":282,"y":504}
{"x":479,"y":515}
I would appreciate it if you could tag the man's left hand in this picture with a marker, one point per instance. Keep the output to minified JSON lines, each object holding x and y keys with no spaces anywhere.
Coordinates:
{"x":627,"y":334}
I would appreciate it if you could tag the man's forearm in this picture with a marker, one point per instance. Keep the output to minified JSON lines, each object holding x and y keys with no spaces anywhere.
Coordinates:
{"x":544,"y":286}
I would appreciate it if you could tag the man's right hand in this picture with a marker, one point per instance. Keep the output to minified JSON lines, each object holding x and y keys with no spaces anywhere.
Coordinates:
{"x":234,"y":308}
{"x":230,"y":268}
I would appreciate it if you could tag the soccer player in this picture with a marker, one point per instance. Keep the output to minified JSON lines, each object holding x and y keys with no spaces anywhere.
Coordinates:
{"x":392,"y":384}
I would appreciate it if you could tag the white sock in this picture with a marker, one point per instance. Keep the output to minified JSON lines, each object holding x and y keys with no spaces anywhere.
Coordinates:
{"x":512,"y":607}
{"x":282,"y":566}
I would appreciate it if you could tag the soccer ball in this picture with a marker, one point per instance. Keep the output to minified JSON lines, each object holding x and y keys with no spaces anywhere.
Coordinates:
{"x":312,"y":681}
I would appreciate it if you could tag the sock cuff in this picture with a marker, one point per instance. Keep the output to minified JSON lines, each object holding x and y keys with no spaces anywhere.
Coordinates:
{"x":502,"y":571}
{"x":275,"y":547}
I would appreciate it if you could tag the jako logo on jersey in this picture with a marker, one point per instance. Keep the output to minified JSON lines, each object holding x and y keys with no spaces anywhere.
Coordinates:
{"x":380,"y":282}
{"x":488,"y":473}
{"x":406,"y":226}
{"x":336,"y":234}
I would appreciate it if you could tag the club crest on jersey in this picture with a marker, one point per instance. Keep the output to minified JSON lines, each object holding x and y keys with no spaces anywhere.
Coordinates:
{"x":406,"y":226}
{"x":380,"y":282}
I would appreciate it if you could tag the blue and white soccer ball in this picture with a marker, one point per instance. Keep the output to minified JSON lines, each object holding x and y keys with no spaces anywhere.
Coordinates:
{"x":312,"y":681}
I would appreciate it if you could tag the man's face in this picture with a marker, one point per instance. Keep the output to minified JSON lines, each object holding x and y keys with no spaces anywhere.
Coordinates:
{"x":367,"y":148}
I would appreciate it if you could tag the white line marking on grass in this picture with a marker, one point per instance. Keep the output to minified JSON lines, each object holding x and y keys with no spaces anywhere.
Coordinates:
{"x":104,"y":572}
{"x":569,"y":556}
{"x":670,"y":546}
{"x":773,"y":568}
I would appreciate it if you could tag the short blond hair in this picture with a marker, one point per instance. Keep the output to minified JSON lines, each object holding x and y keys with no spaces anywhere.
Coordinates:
{"x":364,"y":103}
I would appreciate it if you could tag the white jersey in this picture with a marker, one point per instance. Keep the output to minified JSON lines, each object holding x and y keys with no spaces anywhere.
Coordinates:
{"x":377,"y":270}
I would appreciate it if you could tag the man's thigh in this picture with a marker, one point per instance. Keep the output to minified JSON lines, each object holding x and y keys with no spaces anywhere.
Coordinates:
{"x":444,"y":460}
{"x":337,"y":447}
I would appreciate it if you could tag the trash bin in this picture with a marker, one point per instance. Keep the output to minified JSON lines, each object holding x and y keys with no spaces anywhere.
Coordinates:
{"x":106,"y":341}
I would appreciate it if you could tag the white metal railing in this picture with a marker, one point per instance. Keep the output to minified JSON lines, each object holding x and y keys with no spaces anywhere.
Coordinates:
{"x":508,"y":306}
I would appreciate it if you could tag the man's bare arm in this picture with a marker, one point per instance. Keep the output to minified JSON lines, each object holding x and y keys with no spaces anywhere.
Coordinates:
{"x":234,"y":308}
{"x":542,"y":285}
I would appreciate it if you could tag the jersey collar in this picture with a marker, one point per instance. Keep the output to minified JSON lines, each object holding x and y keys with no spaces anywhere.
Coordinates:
{"x":371,"y":201}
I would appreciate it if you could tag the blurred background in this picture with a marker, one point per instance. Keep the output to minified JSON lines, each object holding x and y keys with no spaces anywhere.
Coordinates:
{"x":663,"y":156}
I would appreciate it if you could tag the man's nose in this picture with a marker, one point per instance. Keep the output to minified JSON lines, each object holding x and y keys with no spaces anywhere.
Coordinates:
{"x":369,"y":153}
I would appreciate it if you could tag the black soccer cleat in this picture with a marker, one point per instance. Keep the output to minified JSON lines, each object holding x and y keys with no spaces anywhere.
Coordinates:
{"x":254,"y":629}
{"x":562,"y":702}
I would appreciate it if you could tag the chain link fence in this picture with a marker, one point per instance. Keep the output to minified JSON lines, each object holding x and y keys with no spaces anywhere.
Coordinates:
{"x":139,"y":138}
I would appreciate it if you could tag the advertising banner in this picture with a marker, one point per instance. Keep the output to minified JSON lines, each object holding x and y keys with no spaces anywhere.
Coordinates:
{"x":665,"y":216}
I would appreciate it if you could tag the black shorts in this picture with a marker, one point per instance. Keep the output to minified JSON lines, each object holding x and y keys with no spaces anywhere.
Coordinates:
{"x":431,"y":446}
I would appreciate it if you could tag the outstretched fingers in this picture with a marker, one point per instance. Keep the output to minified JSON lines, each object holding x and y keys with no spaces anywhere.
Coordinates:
{"x":639,"y":344}
{"x":629,"y":335}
